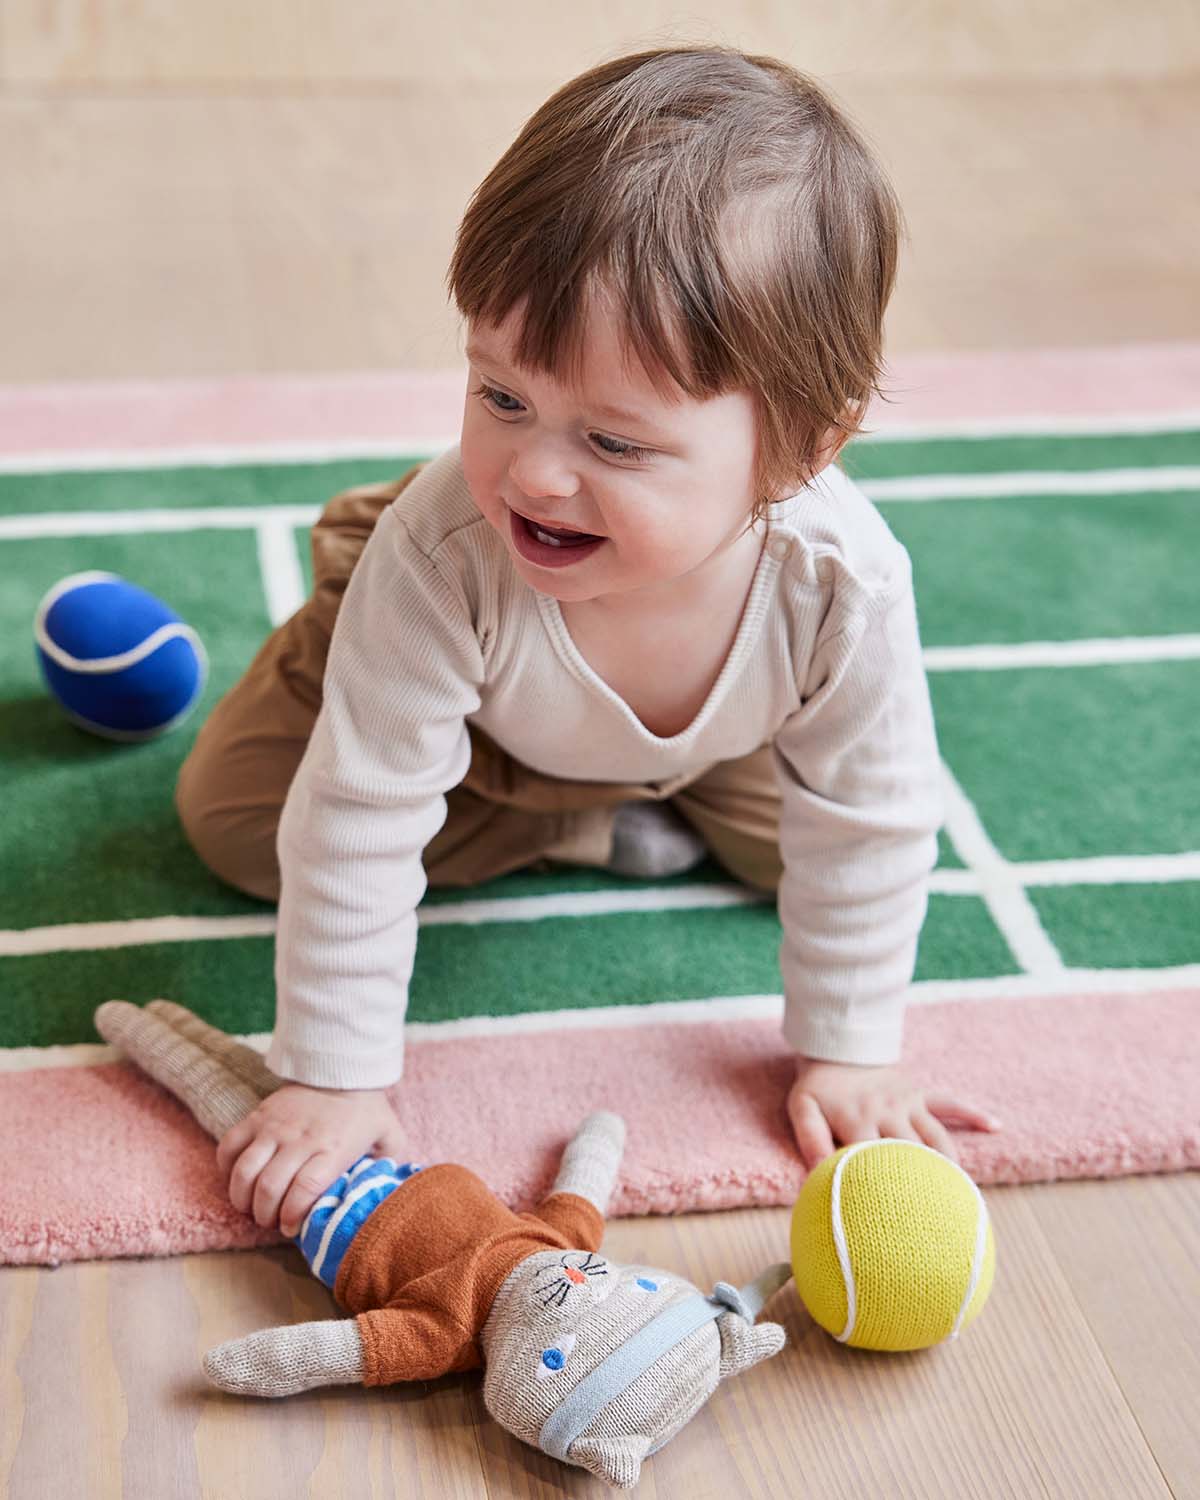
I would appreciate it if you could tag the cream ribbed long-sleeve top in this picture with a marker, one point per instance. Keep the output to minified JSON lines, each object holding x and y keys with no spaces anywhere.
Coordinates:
{"x":436,"y":628}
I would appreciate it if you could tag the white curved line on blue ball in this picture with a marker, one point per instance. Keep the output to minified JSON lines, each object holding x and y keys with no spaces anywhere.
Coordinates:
{"x":118,"y":663}
{"x":77,"y":581}
{"x":161,"y":636}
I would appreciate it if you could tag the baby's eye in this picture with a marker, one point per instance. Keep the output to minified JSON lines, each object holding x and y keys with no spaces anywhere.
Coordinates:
{"x":553,"y":1359}
{"x":620,"y":450}
{"x":490,"y":396}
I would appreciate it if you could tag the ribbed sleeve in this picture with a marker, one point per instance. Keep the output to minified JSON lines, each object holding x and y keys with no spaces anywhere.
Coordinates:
{"x":404,"y":670}
{"x":859,"y":773}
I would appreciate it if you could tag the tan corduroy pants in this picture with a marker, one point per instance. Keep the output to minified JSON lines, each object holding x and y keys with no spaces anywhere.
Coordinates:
{"x":501,"y":817}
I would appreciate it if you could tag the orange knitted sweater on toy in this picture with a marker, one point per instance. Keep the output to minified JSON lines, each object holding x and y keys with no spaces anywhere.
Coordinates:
{"x":423,"y":1271}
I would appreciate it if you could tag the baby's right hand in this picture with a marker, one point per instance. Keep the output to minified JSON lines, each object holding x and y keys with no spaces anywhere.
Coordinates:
{"x":299,"y":1140}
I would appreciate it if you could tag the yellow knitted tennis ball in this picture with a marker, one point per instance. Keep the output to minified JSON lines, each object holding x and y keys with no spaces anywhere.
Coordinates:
{"x":892,"y":1245}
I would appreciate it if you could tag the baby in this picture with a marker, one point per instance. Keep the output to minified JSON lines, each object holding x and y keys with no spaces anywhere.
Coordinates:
{"x":635,"y":616}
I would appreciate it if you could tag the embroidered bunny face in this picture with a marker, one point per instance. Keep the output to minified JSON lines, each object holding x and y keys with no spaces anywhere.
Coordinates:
{"x":560,"y":1295}
{"x":569,"y":1279}
{"x":550,"y":1330}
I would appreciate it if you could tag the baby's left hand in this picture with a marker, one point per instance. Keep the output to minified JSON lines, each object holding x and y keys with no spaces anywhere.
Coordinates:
{"x":844,"y":1102}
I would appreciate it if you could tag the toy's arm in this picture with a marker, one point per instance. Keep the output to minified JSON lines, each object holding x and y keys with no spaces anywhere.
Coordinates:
{"x":379,"y":1347}
{"x":219,"y":1079}
{"x":592,"y":1159}
{"x":282,"y":1361}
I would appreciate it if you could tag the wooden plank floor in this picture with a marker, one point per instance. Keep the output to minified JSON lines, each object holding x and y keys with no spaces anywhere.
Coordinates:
{"x":1078,"y":1381}
{"x":237,"y":192}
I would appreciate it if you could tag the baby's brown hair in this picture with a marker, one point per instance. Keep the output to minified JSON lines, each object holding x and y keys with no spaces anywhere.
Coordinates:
{"x":748,"y":232}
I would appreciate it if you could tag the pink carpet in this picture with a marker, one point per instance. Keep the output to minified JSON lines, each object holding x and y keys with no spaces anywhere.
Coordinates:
{"x":1086,"y":1086}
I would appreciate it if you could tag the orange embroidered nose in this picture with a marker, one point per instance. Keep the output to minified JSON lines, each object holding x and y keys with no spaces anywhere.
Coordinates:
{"x":576,"y":1276}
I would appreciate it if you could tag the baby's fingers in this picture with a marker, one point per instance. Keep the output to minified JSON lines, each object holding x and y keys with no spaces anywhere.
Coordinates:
{"x":814,"y":1139}
{"x":247,"y":1172}
{"x":952,"y":1112}
{"x":317,"y":1174}
{"x":934,"y":1134}
{"x":233,"y":1143}
{"x":287,"y":1168}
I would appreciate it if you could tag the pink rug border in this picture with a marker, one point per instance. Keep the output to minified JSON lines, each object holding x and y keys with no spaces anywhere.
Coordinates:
{"x":1086,"y":1086}
{"x":406,"y":406}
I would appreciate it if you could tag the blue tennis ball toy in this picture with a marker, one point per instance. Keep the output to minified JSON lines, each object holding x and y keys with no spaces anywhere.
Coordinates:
{"x":119,"y":662}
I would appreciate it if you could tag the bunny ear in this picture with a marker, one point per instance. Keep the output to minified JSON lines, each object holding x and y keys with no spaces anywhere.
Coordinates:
{"x":215,"y":1094}
{"x":617,"y":1460}
{"x":247,"y":1063}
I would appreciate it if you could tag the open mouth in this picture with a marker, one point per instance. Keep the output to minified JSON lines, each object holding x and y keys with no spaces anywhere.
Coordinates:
{"x":558,"y":536}
{"x":551,"y":546}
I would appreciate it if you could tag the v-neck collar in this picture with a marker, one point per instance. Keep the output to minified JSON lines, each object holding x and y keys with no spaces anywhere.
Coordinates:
{"x":753,"y":613}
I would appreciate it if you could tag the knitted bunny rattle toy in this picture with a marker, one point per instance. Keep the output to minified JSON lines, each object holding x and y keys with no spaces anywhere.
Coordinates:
{"x":595,"y":1363}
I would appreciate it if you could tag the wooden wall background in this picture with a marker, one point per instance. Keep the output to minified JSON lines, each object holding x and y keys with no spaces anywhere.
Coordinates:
{"x":201,"y":188}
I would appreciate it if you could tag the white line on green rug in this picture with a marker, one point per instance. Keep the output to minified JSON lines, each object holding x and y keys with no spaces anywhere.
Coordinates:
{"x":1067,"y":984}
{"x":1000,"y":884}
{"x":1107,"y":869}
{"x":279,"y":564}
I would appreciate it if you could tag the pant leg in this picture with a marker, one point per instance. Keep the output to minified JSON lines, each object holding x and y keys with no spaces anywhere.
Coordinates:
{"x":735,"y":807}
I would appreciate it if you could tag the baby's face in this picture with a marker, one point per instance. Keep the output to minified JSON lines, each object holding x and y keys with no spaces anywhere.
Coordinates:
{"x":673,"y":506}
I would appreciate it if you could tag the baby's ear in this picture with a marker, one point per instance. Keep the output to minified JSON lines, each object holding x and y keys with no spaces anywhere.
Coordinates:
{"x":617,"y":1460}
{"x":745,"y":1344}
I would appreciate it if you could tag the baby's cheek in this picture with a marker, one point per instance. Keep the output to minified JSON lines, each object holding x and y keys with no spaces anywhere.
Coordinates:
{"x":479,"y":482}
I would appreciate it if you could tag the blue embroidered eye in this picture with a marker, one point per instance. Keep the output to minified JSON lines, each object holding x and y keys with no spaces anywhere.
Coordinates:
{"x":554,"y":1359}
{"x":651,"y":1286}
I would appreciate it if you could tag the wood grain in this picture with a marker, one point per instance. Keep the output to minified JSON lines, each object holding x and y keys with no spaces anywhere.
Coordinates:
{"x":1078,"y":1380}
